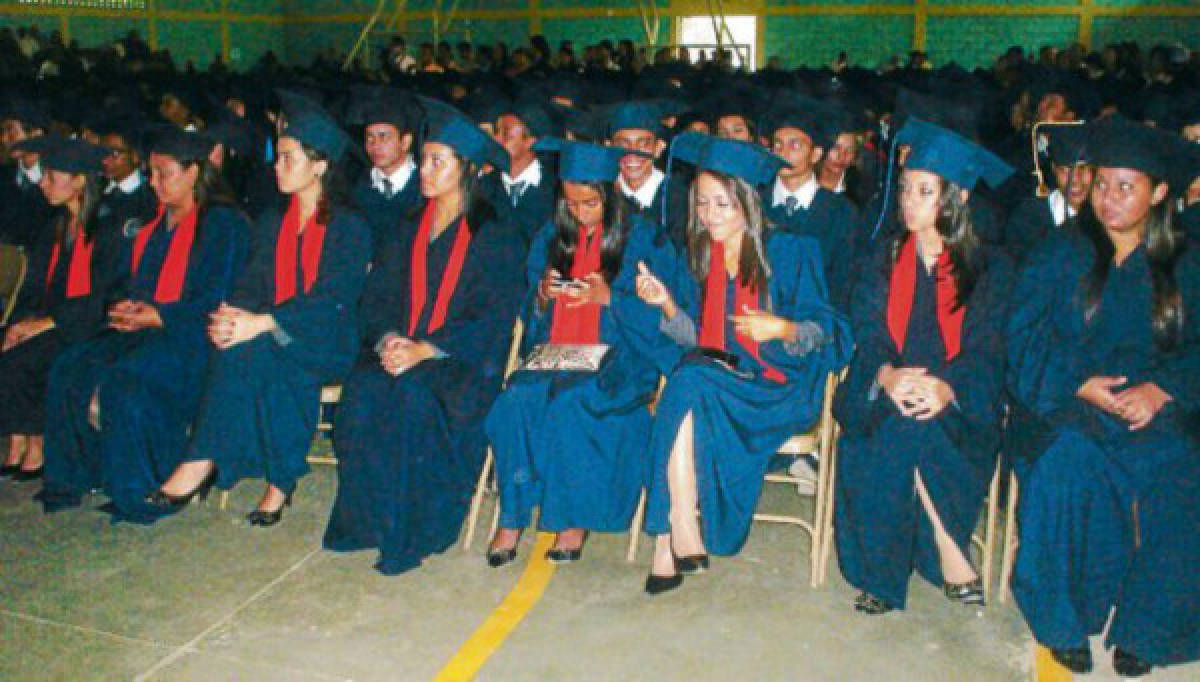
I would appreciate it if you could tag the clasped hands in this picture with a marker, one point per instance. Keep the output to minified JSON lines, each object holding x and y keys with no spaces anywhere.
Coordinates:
{"x":757,"y":325}
{"x":916,"y":393}
{"x":229,"y":325}
{"x":399,"y":353}
{"x":132,"y":316}
{"x":1137,"y":405}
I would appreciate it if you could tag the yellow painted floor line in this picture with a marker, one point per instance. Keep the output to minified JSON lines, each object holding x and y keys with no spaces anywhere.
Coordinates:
{"x":488,"y":638}
{"x":1046,"y":669}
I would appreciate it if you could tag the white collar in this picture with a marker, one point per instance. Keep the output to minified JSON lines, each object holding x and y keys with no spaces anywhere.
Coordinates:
{"x":645,"y":194}
{"x":803,"y":194}
{"x":127,"y":186}
{"x":33,"y":175}
{"x":841,"y":186}
{"x":1059,"y":208}
{"x":399,"y":178}
{"x":531,"y":176}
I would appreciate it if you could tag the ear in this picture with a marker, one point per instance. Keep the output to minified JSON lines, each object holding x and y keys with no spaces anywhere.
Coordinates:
{"x":320,"y":168}
{"x":659,"y":147}
{"x":406,"y":142}
{"x":1160,"y":193}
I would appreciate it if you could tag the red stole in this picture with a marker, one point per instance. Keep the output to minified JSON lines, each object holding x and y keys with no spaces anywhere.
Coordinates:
{"x":903,"y":290}
{"x":582,"y":324}
{"x":174,"y":270}
{"x":313,"y":242}
{"x":712,"y":327}
{"x":458,"y":255}
{"x":79,"y":273}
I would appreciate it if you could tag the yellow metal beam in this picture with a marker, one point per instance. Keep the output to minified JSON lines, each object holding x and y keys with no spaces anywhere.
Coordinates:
{"x":920,"y":23}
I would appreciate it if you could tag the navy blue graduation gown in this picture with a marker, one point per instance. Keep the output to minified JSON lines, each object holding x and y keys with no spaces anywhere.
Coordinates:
{"x":26,"y":367}
{"x":261,"y":397}
{"x":126,"y":212}
{"x":149,"y":382}
{"x":882,"y":531}
{"x":410,"y":447}
{"x":1028,"y":225}
{"x":385,"y":214}
{"x":1189,"y":223}
{"x":829,"y":219}
{"x":1105,"y":513}
{"x":740,"y":422}
{"x":572,"y":443}
{"x":672,"y":191}
{"x":529,"y":212}
{"x":23,"y":208}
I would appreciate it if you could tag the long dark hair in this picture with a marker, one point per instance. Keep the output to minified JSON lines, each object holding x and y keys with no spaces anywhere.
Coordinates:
{"x":616,"y":232}
{"x":334,"y":188}
{"x":954,"y":224}
{"x":479,"y":210}
{"x":1164,"y":244}
{"x":752,"y":263}
{"x":89,"y":203}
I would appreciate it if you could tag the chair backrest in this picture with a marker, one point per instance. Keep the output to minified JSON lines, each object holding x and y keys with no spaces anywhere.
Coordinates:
{"x":13,"y":267}
{"x":514,"y":350}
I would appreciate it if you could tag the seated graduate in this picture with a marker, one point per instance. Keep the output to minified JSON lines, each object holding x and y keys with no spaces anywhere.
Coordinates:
{"x":69,"y":282}
{"x":127,"y":202}
{"x":637,"y":126}
{"x":797,"y":203}
{"x":1035,"y":217}
{"x":844,"y":169}
{"x":523,"y":196}
{"x":573,"y":442}
{"x":755,"y":368}
{"x":921,"y":407}
{"x":23,"y":207}
{"x":1104,"y":355}
{"x":289,"y":327}
{"x":437,"y":317}
{"x":390,"y":191}
{"x":119,"y":406}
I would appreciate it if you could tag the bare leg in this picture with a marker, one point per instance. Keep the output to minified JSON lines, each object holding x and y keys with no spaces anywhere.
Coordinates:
{"x":17,"y":445}
{"x":505,"y":539}
{"x":681,"y":482}
{"x":956,"y":568}
{"x":187,"y":477}
{"x":35,"y":454}
{"x":571,"y":538}
{"x":272,"y":499}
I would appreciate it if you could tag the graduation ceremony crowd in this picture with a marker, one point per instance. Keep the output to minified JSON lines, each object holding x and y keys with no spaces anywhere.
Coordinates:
{"x":206,"y":251}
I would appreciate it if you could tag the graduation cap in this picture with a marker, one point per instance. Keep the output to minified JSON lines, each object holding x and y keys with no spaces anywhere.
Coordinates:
{"x":746,"y":160}
{"x":65,"y":154}
{"x":128,"y":127}
{"x":378,"y":104}
{"x":173,"y":141}
{"x":30,"y":113}
{"x":231,"y":131}
{"x":1187,"y":166}
{"x":951,"y":156}
{"x":1118,"y":142}
{"x":485,"y":105}
{"x":809,"y":117}
{"x":311,"y":124}
{"x":1079,"y":94}
{"x":636,"y":115}
{"x":539,"y":120}
{"x":960,"y":117}
{"x":1068,"y":143}
{"x":584,"y":161}
{"x":446,"y":125}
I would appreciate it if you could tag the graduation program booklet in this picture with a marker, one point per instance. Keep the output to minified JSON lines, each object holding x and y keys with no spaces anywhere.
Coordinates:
{"x":566,"y":357}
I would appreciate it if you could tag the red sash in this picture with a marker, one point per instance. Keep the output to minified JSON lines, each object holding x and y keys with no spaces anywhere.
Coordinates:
{"x":581,"y":324}
{"x":712,"y":327}
{"x":174,"y":270}
{"x":903,"y":290}
{"x":79,"y":273}
{"x":458,"y":255}
{"x":313,"y":242}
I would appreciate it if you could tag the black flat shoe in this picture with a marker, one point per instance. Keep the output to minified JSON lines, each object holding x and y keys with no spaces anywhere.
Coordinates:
{"x":9,"y":469}
{"x":657,"y":584}
{"x":969,"y":593}
{"x":691,"y":565}
{"x":25,"y":475}
{"x":566,"y":556}
{"x":1078,"y":661}
{"x":871,"y":605}
{"x":1128,"y":665}
{"x":501,"y":557}
{"x":166,"y":501}
{"x":260,"y":517}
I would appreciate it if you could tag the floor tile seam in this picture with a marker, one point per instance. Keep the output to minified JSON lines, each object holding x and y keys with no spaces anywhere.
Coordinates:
{"x":190,"y":645}
{"x":229,"y":658}
{"x":30,"y":618}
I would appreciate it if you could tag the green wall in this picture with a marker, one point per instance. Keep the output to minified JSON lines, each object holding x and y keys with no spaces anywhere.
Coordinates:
{"x":811,"y":34}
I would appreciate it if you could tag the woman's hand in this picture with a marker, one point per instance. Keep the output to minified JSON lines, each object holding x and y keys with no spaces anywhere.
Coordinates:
{"x":901,"y":386}
{"x":1099,"y":392}
{"x":228,"y":326}
{"x":761,"y":326}
{"x":132,"y":316}
{"x":26,"y":329}
{"x":1141,"y":404}
{"x":549,"y":288}
{"x":653,"y":292}
{"x":932,"y":396}
{"x":593,"y":289}
{"x":400,"y":353}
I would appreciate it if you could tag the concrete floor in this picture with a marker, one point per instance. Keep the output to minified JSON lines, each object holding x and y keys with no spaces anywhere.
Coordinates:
{"x":201,"y":596}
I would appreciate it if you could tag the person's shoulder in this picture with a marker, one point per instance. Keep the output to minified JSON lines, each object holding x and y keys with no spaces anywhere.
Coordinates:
{"x":783,"y":244}
{"x":221,"y":213}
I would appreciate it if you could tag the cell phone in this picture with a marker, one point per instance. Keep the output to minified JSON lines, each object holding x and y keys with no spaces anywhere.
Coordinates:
{"x":720,"y":356}
{"x":564,"y":283}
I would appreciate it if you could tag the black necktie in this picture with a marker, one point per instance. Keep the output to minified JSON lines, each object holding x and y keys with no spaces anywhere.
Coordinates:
{"x":515,"y":190}
{"x":790,"y":205}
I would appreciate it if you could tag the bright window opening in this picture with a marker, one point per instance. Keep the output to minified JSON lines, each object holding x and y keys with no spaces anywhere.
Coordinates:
{"x":699,"y":36}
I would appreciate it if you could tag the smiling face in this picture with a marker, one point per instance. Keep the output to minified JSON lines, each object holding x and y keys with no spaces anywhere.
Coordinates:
{"x":919,"y":199}
{"x":1080,"y":177}
{"x":60,"y":187}
{"x":636,"y":169}
{"x":173,"y":184}
{"x":717,"y":209}
{"x":584,"y":203}
{"x":441,"y":170}
{"x":1122,"y":197}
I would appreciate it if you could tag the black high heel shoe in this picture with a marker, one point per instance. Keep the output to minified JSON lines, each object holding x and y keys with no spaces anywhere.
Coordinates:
{"x":1078,"y":661}
{"x":1129,"y":665}
{"x":871,"y":605}
{"x":502,"y":557}
{"x":9,"y":469}
{"x":657,"y":584}
{"x":260,"y":517}
{"x":26,"y":475}
{"x":168,"y":502}
{"x":969,"y":593}
{"x":566,"y":556}
{"x":691,"y":565}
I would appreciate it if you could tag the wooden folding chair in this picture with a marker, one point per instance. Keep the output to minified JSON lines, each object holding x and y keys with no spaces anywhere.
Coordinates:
{"x":484,"y":484}
{"x":13,"y":267}
{"x":1009,"y":555}
{"x":821,"y":441}
{"x":987,"y":542}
